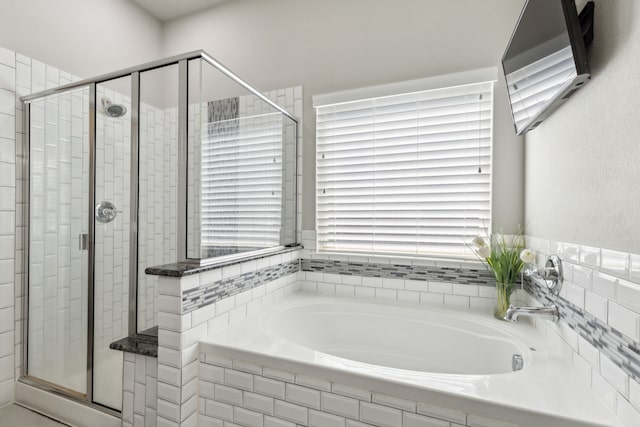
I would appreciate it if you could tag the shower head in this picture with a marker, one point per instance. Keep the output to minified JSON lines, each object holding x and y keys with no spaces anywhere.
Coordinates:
{"x":113,"y":110}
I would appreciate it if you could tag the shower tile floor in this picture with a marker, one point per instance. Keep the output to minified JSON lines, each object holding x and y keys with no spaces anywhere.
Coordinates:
{"x":15,"y":415}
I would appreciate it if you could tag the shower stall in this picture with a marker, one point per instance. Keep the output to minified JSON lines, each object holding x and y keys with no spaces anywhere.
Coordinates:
{"x":176,"y":161}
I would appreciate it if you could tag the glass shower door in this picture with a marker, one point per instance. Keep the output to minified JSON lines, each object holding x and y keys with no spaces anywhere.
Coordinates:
{"x":78,"y":304}
{"x":57,"y":260}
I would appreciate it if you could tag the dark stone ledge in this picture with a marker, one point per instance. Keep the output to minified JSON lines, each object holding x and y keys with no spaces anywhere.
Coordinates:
{"x":179,"y":269}
{"x":145,"y":343}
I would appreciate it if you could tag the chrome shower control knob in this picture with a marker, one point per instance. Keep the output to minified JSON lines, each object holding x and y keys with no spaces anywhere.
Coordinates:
{"x":106,"y":211}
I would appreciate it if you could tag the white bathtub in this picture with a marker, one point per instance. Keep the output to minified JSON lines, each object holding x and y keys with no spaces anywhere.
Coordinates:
{"x":454,"y":359}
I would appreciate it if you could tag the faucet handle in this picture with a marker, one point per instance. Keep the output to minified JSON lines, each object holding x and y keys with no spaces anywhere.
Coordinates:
{"x":550,"y":275}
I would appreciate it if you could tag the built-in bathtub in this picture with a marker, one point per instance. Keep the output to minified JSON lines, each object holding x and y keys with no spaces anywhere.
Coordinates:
{"x":457,"y":364}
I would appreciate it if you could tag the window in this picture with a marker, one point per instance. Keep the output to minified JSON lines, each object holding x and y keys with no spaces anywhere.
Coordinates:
{"x":405,"y":174}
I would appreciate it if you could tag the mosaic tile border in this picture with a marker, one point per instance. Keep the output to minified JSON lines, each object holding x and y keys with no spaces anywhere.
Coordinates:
{"x":196,"y":298}
{"x":620,"y":349}
{"x":464,"y":276}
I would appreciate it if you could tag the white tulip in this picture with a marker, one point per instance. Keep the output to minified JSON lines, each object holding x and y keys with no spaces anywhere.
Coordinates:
{"x":478,"y":241}
{"x":528,"y":256}
{"x":484,"y":251}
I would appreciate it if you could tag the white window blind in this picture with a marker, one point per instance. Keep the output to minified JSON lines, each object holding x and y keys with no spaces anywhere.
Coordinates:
{"x":242,"y":182}
{"x":405,"y":174}
{"x":532,"y":86}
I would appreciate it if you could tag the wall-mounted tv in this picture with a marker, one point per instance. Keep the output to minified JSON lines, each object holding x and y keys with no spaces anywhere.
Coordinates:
{"x":546,"y":61}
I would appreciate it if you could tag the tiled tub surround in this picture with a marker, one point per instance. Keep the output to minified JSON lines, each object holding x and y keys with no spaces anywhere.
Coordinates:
{"x":289,"y":364}
{"x":201,"y":296}
{"x":462,"y":276}
{"x":599,"y":329}
{"x":439,"y":282}
{"x":182,"y":326}
{"x":451,"y":286}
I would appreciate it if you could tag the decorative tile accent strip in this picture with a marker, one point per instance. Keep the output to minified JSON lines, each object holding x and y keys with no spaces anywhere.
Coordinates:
{"x":619,"y":348}
{"x":195,"y":298}
{"x":465,"y":276}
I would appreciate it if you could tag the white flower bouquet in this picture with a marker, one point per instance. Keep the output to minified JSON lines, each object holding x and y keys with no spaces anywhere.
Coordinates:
{"x":505,"y":260}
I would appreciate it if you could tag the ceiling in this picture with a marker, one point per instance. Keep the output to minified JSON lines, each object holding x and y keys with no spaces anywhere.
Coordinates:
{"x":166,"y":10}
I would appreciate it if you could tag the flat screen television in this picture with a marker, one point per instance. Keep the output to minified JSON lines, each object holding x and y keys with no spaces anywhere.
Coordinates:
{"x":546,"y":60}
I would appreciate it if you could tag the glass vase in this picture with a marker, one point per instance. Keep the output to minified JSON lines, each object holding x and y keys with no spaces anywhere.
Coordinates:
{"x":503,"y":299}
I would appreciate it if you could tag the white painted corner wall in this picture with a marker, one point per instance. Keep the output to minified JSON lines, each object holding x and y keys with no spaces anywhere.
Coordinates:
{"x":83,"y":37}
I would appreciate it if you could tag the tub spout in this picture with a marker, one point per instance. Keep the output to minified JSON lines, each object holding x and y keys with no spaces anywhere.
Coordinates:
{"x":549,"y":312}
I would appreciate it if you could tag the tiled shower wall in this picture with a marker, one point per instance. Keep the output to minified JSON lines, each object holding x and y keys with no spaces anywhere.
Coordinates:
{"x":194,"y":117}
{"x":113,"y":175}
{"x":66,"y":133}
{"x":59,"y":167}
{"x":158,"y":209}
{"x":600,"y":327}
{"x":157,"y":226}
{"x":19,"y":75}
{"x":10,"y":224}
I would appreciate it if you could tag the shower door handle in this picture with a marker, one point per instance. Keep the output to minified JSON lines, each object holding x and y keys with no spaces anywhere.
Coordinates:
{"x":106,"y":211}
{"x":83,"y":241}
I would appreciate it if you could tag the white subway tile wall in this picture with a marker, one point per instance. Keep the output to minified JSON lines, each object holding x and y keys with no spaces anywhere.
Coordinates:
{"x":61,"y":139}
{"x":140,"y":389}
{"x":113,"y":157}
{"x":179,"y":334}
{"x":10,"y":296}
{"x":605,"y":284}
{"x":158,"y":222}
{"x":480,"y":297}
{"x":262,"y":400}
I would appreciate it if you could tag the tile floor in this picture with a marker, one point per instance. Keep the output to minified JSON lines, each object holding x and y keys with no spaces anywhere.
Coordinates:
{"x":17,"y":416}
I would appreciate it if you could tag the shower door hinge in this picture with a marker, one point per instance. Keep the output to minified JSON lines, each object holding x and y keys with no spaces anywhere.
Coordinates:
{"x":83,"y":241}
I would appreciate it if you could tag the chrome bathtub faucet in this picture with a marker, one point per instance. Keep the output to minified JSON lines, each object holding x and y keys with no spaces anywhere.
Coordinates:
{"x":550,"y":276}
{"x":549,"y":312}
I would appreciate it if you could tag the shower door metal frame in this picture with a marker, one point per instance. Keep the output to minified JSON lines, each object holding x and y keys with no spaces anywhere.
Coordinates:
{"x":134,"y":202}
{"x":87,"y":397}
{"x":134,"y":73}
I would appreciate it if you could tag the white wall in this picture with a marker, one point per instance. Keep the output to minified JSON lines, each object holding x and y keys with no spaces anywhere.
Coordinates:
{"x":84,"y":37}
{"x":582,"y":169}
{"x":333,"y":45}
